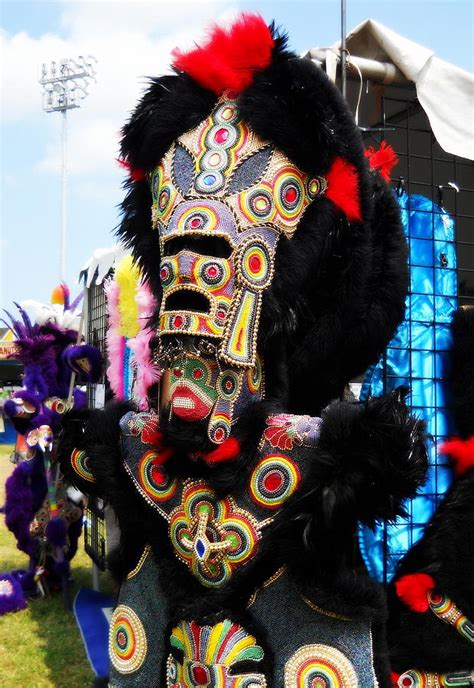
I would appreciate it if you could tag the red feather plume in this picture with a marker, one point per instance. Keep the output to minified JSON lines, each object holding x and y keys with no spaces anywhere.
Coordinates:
{"x":343,"y":188}
{"x":230,"y":57}
{"x":383,"y":159}
{"x":227,"y":451}
{"x":136,"y":173}
{"x":413,"y":590}
{"x":461,"y":453}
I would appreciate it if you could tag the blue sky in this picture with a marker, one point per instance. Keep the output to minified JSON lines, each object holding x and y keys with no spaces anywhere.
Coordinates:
{"x":132,"y":40}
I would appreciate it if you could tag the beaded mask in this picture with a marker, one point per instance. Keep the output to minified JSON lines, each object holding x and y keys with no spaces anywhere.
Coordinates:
{"x":221,"y":199}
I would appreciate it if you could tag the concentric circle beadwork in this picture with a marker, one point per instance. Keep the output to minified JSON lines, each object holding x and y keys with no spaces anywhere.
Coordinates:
{"x":274,"y":480}
{"x":289,"y":193}
{"x":127,"y":640}
{"x":210,"y":181}
{"x":154,"y":480}
{"x":219,"y":429}
{"x":198,"y":218}
{"x":320,"y":666}
{"x":168,"y":272}
{"x":256,"y":265}
{"x":228,"y":385}
{"x":254,"y":377}
{"x":81,"y":465}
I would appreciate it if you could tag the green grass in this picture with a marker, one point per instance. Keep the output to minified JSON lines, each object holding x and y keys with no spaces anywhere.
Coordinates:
{"x":40,"y":647}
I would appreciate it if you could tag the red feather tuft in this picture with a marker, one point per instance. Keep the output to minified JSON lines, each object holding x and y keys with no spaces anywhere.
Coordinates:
{"x":230,"y":57}
{"x":343,"y":188}
{"x":136,"y":173}
{"x":383,"y":159}
{"x":461,"y":453}
{"x":413,"y":590}
{"x":394,"y":678}
{"x":227,"y":451}
{"x":163,"y":455}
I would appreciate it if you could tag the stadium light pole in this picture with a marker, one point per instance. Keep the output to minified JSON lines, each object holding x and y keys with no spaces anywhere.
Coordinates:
{"x":64,"y":86}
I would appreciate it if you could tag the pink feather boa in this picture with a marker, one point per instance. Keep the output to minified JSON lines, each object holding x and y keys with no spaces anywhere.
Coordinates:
{"x":115,"y":340}
{"x":147,"y":372}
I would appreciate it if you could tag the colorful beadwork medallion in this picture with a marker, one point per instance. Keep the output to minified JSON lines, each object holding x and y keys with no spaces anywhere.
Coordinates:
{"x":320,"y":666}
{"x":274,"y":479}
{"x":81,"y":466}
{"x":207,"y":655}
{"x":127,"y":640}
{"x":154,"y":481}
{"x":213,"y":537}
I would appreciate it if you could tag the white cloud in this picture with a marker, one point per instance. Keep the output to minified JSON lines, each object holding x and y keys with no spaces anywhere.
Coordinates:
{"x":131,"y":40}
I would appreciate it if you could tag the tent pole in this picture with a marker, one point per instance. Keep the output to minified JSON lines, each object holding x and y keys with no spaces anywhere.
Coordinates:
{"x":343,"y":48}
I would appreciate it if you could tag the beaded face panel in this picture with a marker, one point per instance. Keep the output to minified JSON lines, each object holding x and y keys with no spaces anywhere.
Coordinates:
{"x":201,"y":388}
{"x":221,"y":182}
{"x":209,"y":656}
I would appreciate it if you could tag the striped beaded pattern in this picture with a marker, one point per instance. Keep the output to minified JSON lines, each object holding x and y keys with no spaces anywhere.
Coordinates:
{"x":320,"y":666}
{"x":446,"y":610}
{"x":80,"y":465}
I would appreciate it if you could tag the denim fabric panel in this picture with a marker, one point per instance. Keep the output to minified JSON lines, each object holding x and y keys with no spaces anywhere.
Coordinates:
{"x":143,"y":594}
{"x":290,"y":623}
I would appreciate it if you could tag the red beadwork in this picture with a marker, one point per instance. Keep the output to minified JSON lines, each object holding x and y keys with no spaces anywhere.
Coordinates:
{"x":219,"y":434}
{"x":255,"y":263}
{"x":221,"y":315}
{"x":177,"y":372}
{"x":200,"y":676}
{"x":291,"y":194}
{"x":178,"y":321}
{"x":196,"y":222}
{"x":212,"y":271}
{"x":435,"y":598}
{"x":163,"y":273}
{"x":221,"y":136}
{"x":407,"y":682}
{"x":273,"y":481}
{"x":229,"y":385}
{"x":197,"y":374}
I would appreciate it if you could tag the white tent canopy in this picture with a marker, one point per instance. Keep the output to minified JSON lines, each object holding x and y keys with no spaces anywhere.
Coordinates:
{"x":445,"y":92}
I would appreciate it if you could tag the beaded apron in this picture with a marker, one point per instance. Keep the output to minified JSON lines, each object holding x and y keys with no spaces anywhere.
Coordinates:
{"x":215,"y":538}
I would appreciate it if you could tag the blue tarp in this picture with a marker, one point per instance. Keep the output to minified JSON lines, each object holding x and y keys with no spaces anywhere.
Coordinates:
{"x":417,"y":357}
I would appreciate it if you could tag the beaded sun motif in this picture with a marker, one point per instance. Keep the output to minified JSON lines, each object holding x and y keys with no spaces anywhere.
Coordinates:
{"x":220,"y":180}
{"x":207,"y":655}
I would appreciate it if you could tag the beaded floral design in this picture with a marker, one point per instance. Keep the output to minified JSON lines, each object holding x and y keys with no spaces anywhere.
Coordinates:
{"x":207,"y":655}
{"x":212,"y":536}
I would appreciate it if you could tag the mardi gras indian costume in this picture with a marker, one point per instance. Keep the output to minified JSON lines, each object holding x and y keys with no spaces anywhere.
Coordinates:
{"x":277,"y":261}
